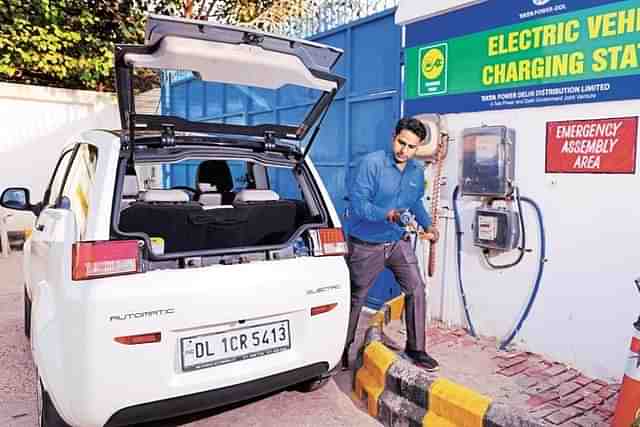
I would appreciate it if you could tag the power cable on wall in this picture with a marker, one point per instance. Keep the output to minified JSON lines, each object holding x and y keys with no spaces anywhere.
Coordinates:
{"x":541,"y":261}
{"x":456,"y":218}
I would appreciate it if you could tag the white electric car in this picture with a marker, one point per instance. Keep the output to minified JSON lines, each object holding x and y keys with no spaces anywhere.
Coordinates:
{"x":147,"y":297}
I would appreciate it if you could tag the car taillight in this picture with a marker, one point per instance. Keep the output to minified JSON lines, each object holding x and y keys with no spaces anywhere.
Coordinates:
{"x":91,"y":260}
{"x":323,"y":308}
{"x":328,"y":242}
{"x":139,"y":339}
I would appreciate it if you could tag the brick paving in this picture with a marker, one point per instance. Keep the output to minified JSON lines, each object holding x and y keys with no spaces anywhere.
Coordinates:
{"x":550,"y":391}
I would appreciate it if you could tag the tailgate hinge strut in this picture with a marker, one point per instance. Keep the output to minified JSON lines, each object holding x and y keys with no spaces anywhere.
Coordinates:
{"x":269,"y":140}
{"x":168,"y":137}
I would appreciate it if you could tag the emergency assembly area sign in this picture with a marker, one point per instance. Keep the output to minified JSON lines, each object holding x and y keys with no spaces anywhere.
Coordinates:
{"x":592,"y":146}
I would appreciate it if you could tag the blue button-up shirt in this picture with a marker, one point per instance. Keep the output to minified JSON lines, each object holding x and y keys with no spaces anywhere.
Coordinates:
{"x":379,"y":186}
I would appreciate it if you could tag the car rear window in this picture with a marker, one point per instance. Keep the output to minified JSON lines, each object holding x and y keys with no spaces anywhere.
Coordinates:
{"x":183,"y":94}
{"x":216,"y":204}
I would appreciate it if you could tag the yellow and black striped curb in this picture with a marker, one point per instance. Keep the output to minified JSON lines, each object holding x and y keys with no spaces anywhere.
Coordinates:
{"x":399,"y":393}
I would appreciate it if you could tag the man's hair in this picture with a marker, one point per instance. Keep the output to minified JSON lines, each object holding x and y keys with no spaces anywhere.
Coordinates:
{"x":413,"y":125}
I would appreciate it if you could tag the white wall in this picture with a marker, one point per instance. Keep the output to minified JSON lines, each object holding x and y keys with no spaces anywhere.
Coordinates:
{"x":413,"y":10}
{"x":37,"y":122}
{"x":587,"y":300}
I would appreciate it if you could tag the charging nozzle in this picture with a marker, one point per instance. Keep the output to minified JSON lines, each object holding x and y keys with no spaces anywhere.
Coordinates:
{"x":405,"y":218}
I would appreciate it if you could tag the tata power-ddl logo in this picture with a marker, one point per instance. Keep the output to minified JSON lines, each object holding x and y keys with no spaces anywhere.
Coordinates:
{"x":541,"y":8}
{"x":432,"y":74}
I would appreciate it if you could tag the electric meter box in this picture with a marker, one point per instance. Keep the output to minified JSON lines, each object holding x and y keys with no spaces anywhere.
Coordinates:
{"x":487,"y":161}
{"x":496,"y":228}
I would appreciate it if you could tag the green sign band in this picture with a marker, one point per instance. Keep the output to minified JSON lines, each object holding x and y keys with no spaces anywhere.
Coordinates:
{"x":593,"y":43}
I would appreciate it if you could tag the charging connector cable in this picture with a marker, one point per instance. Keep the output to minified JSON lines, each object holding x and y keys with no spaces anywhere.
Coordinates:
{"x":540,"y":270}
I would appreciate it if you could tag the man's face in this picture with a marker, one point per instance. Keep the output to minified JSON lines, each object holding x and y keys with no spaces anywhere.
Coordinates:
{"x":405,"y":145}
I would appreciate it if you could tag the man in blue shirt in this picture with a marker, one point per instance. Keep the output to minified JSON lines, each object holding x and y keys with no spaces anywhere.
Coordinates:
{"x":385,"y":183}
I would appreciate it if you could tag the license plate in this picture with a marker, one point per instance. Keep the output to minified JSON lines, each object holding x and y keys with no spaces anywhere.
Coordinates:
{"x":205,"y":351}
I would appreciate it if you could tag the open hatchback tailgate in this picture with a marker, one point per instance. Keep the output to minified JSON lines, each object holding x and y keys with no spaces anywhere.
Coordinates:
{"x":231,"y":56}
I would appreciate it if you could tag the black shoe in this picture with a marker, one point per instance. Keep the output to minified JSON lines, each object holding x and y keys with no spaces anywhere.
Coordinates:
{"x":423,"y":360}
{"x":345,"y":359}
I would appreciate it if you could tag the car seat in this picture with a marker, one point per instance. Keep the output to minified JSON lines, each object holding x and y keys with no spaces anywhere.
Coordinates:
{"x":215,"y":183}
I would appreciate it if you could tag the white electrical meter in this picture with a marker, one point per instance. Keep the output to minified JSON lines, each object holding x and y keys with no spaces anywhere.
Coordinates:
{"x":487,"y":161}
{"x":496,"y":228}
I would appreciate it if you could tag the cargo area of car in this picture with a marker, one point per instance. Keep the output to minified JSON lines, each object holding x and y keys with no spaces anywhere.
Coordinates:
{"x":225,"y":205}
{"x":189,"y":226}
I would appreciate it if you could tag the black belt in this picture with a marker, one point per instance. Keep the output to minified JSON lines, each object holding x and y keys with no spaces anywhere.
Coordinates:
{"x":364,"y":242}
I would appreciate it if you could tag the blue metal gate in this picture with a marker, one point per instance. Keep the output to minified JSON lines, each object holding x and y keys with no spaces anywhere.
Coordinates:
{"x":360,"y":121}
{"x":364,"y":114}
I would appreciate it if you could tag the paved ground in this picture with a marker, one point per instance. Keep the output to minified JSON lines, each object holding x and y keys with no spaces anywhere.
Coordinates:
{"x":548,"y":390}
{"x":329,"y":406}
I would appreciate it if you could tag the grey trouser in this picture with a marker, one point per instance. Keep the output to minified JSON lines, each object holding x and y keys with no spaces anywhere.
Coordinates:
{"x":366,"y":262}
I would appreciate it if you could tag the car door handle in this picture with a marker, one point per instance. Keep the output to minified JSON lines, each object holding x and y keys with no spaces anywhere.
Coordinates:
{"x":40,"y":227}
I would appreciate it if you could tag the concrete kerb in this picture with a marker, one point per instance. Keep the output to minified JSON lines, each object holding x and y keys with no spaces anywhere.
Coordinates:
{"x":399,"y":393}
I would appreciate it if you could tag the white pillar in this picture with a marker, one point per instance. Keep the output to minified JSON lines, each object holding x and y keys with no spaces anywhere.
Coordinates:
{"x":4,"y":237}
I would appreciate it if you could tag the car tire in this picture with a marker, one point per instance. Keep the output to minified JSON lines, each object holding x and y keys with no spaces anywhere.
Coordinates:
{"x":27,"y":314}
{"x":313,"y":384}
{"x":47,"y":413}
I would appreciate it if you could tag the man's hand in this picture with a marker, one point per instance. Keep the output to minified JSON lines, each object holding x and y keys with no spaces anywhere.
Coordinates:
{"x":392,"y":216}
{"x":430,"y":234}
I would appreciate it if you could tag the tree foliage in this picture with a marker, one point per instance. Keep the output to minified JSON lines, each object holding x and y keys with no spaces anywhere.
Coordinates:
{"x":70,"y":43}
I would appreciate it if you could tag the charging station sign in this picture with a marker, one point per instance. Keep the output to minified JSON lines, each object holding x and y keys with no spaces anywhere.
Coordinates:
{"x":498,"y":55}
{"x":592,"y":146}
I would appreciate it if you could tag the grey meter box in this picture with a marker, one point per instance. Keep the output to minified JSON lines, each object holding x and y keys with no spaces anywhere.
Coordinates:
{"x":487,"y":161}
{"x":496,"y":228}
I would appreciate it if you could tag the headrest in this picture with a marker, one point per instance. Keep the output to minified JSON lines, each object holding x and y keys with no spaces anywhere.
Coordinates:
{"x":215,"y":173}
{"x":130,"y":186}
{"x":210,"y":199}
{"x":175,"y":196}
{"x":203,"y":187}
{"x":256,"y":196}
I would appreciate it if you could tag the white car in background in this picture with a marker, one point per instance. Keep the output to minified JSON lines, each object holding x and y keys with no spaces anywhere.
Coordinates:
{"x":145,"y":301}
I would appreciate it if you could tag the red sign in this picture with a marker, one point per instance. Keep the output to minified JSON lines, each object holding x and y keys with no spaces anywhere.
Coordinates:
{"x":592,"y":146}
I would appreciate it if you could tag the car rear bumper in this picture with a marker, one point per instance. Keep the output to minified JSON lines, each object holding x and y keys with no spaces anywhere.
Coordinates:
{"x":215,"y":398}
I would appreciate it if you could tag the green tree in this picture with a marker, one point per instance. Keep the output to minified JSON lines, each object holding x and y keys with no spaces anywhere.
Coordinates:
{"x":69,"y":43}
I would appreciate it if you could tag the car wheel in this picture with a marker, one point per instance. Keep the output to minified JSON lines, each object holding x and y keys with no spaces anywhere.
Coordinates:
{"x":47,"y":414}
{"x":313,"y":384}
{"x":27,"y":314}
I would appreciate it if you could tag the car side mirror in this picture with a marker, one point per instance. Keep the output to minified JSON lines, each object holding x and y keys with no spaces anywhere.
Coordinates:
{"x":18,"y":198}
